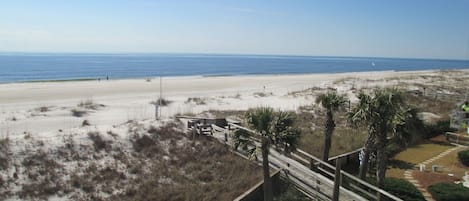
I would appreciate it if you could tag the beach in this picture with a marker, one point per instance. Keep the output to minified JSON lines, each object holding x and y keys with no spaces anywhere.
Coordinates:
{"x":117,"y":101}
{"x":80,"y":125}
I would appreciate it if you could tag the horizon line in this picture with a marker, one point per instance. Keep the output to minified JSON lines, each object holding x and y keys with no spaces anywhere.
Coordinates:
{"x":2,"y":53}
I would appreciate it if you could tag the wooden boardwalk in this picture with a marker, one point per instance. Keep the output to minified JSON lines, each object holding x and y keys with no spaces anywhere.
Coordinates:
{"x":318,"y":183}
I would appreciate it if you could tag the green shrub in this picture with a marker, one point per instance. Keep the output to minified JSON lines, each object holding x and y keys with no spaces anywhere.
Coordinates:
{"x":98,"y":142}
{"x":4,"y":153}
{"x":394,"y":148}
{"x":464,"y":157}
{"x":287,"y":192}
{"x":402,"y":189}
{"x":437,"y":129}
{"x":449,"y":192}
{"x":161,"y":102}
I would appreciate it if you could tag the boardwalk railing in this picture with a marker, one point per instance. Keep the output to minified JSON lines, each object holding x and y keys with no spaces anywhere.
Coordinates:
{"x":457,"y":138}
{"x":348,"y":182}
{"x":459,"y":118}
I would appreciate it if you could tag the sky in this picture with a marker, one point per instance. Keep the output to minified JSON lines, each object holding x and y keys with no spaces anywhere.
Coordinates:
{"x":364,"y":28}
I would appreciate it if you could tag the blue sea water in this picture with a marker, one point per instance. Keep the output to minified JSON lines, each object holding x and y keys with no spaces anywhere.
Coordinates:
{"x":19,"y":67}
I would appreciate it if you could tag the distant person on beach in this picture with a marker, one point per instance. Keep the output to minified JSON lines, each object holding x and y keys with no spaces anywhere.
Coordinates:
{"x":107,"y":77}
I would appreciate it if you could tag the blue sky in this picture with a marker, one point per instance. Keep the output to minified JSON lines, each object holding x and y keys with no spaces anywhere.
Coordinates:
{"x":398,"y":28}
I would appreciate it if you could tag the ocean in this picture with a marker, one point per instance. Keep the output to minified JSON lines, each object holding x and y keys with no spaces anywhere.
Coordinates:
{"x":23,"y":67}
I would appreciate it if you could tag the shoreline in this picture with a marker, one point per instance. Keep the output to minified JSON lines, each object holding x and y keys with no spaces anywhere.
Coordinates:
{"x":98,"y":79}
{"x":117,"y":101}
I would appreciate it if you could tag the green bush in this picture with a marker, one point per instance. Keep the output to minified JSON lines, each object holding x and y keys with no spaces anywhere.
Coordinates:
{"x":449,"y":192}
{"x":402,"y":189}
{"x":287,"y":192}
{"x":394,"y":148}
{"x":464,"y":157}
{"x":437,"y":129}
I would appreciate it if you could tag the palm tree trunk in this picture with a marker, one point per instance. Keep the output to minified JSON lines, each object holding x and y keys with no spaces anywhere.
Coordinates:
{"x":330,"y":125}
{"x":327,"y":147}
{"x":268,"y":196}
{"x":364,"y":164}
{"x":366,"y":157}
{"x":381,"y":159}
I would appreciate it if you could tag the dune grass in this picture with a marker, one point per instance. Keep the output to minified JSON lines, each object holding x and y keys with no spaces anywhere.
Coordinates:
{"x":344,"y":139}
{"x":150,"y":163}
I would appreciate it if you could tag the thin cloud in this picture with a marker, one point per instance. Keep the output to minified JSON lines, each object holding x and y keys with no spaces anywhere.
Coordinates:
{"x":23,"y":33}
{"x":252,"y":11}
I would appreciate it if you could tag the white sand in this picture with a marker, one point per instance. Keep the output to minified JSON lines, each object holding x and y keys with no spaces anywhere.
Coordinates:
{"x":130,"y":99}
{"x":28,"y":128}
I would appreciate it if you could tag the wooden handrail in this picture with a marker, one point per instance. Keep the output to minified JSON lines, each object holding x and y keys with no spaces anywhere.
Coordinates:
{"x":325,"y":164}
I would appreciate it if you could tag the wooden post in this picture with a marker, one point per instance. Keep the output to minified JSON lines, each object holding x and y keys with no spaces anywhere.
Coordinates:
{"x":311,"y":164}
{"x":161,"y":96}
{"x":335,"y":196}
{"x":156,"y":111}
{"x":227,"y":133}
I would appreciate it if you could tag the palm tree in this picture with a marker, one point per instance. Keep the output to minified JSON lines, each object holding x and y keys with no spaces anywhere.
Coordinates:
{"x":331,"y":101}
{"x":274,"y":128}
{"x":410,"y":131}
{"x":381,"y":112}
{"x":359,"y":115}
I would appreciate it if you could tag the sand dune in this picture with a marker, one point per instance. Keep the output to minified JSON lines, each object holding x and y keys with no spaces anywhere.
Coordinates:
{"x":125,"y":100}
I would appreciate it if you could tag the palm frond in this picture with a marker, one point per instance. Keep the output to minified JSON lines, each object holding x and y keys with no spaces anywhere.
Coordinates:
{"x":332,"y":101}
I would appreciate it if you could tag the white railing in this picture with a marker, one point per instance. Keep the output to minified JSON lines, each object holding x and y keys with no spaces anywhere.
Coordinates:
{"x":457,"y":138}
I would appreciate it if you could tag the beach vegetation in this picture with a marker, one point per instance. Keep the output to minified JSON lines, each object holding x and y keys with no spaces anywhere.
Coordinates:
{"x":161,"y":102}
{"x":43,"y":172}
{"x":241,"y":140}
{"x":43,"y":109}
{"x":288,"y":192}
{"x":89,"y":104}
{"x":332,"y":102}
{"x":85,"y":123}
{"x":78,"y":112}
{"x":237,"y":96}
{"x":346,"y":138}
{"x":99,"y":143}
{"x":112,"y":134}
{"x":407,"y":133}
{"x":4,"y":153}
{"x":401,"y":188}
{"x":449,"y":192}
{"x":273,"y":128}
{"x":197,"y":100}
{"x":145,"y":143}
{"x":464,"y":157}
{"x":381,"y":112}
{"x":263,"y":94}
{"x":153,"y":163}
